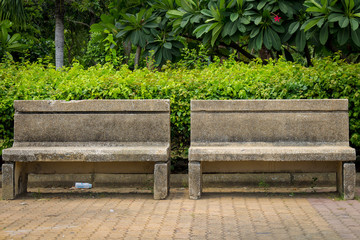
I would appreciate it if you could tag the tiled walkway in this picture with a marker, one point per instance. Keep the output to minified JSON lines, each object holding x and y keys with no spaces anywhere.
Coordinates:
{"x":218,"y":215}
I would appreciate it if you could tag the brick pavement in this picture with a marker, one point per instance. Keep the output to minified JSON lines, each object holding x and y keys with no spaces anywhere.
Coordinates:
{"x":53,"y":214}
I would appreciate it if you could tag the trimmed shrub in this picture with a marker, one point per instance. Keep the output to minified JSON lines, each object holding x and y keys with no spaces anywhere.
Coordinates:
{"x":328,"y":78}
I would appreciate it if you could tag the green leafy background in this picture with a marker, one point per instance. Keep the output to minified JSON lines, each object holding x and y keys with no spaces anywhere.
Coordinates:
{"x":328,"y":78}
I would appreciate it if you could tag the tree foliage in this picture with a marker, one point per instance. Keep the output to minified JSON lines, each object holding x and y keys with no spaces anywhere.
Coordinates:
{"x":334,"y":24}
{"x":266,"y":29}
{"x":160,"y":29}
{"x":9,"y":43}
{"x":13,"y":10}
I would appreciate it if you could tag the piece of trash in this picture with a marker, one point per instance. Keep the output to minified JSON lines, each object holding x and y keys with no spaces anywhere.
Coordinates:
{"x":112,"y":210}
{"x":23,"y":203}
{"x":83,"y":185}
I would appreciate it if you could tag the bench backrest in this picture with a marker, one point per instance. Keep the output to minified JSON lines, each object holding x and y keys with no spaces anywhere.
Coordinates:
{"x":314,"y":121}
{"x":92,"y":121}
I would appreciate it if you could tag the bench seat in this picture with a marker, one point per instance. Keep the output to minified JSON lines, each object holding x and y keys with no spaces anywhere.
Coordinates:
{"x":125,"y":153}
{"x":259,"y":152}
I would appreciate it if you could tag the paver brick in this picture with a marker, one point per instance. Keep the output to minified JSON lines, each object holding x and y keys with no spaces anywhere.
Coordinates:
{"x":216,"y":216}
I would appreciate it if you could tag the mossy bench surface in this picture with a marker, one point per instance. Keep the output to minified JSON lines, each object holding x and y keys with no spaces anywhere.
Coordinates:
{"x":89,"y":153}
{"x":247,"y":134}
{"x":258,"y":152}
{"x":88,"y":131}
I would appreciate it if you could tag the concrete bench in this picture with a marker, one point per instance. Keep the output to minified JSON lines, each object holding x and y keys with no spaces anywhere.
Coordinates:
{"x":256,"y":136}
{"x":88,"y":136}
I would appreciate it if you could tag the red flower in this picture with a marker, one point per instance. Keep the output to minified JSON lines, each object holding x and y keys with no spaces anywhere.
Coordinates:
{"x":277,"y":18}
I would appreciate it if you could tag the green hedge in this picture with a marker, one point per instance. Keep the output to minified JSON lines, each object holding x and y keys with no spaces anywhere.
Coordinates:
{"x":328,"y":78}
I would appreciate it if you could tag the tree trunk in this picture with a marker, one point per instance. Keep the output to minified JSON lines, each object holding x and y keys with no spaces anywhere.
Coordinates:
{"x":307,"y":55}
{"x":137,"y":57}
{"x":264,"y":54}
{"x":59,"y":34}
{"x":127,"y":50}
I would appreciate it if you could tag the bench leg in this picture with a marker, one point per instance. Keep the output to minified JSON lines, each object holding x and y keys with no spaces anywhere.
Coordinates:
{"x":195,"y":180}
{"x":14,"y":180}
{"x":8,"y":184}
{"x":161,"y":180}
{"x":346,"y":180}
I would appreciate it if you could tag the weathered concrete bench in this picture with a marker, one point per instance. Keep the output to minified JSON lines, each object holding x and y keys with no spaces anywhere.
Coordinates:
{"x":271,"y":136}
{"x":88,"y":136}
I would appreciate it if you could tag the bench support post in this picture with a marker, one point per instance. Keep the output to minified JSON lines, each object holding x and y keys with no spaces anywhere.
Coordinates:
{"x":346,"y":180}
{"x":161,"y":180}
{"x":8,"y":184}
{"x":195,"y":180}
{"x":14,"y":180}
